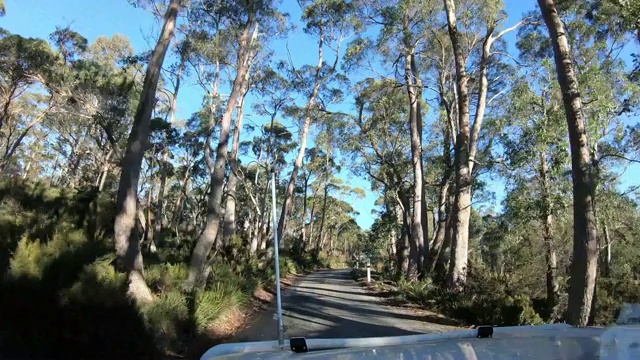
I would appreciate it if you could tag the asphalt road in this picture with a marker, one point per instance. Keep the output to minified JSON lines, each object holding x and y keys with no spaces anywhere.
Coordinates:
{"x":330,"y":304}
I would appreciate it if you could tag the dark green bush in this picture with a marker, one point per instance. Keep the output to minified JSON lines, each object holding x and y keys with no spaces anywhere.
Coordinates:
{"x":610,"y":296}
{"x":485,"y":300}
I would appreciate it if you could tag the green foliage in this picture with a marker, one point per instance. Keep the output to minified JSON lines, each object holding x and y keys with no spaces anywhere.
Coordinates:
{"x":287,"y":266}
{"x":417,"y":291}
{"x":336,"y":261}
{"x":167,"y":318}
{"x":610,"y":296}
{"x":165,"y":277}
{"x":485,"y":301}
{"x":66,"y":300}
{"x":210,"y":304}
{"x":98,"y":282}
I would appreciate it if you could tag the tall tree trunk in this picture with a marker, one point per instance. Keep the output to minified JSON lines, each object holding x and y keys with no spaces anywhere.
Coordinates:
{"x":462,"y":208}
{"x":584,"y":266}
{"x":127,"y":247}
{"x":311,"y":221}
{"x":415,"y":124}
{"x":441,"y":227}
{"x":230,"y":207}
{"x":104,"y":171}
{"x":303,"y":240}
{"x":401,"y":242}
{"x":321,"y":232}
{"x":442,"y":263}
{"x":150,"y":232}
{"x":410,"y":248}
{"x":214,"y":202}
{"x":606,"y":268}
{"x":405,"y":204}
{"x":553,"y":289}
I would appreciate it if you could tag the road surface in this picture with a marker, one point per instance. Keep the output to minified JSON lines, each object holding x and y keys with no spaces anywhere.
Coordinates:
{"x":330,"y":304}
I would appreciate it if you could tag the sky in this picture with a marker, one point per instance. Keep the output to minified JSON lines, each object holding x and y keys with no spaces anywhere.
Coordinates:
{"x":94,"y":18}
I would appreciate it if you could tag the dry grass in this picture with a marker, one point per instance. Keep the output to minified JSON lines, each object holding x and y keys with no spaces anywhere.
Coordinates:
{"x":237,"y":318}
{"x":228,"y":323}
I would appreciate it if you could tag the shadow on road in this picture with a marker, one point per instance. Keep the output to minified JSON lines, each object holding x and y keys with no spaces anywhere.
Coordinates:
{"x":330,"y":304}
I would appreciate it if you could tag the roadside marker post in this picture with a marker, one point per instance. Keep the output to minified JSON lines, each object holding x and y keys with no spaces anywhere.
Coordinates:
{"x":368,"y":270}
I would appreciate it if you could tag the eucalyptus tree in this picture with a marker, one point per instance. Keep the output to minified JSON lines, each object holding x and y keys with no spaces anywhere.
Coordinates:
{"x":269,"y":148}
{"x":238,"y":24}
{"x":584,"y":266}
{"x":535,"y":151}
{"x":380,"y":143}
{"x":128,"y":248}
{"x":603,"y":95}
{"x":403,"y":32}
{"x":331,"y":22}
{"x":27,"y":64}
{"x":470,"y":25}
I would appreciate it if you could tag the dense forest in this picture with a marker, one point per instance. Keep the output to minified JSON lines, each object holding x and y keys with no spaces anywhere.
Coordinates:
{"x":126,"y":229}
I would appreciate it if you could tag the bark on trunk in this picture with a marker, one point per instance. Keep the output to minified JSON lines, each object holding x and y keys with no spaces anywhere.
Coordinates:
{"x":127,"y":247}
{"x":324,"y":214}
{"x":303,"y":240}
{"x":442,"y":263}
{"x":214,"y":203}
{"x":414,"y":95}
{"x":405,"y":203}
{"x":104,"y":172}
{"x":441,"y":227}
{"x":606,"y":269}
{"x":312,"y":220}
{"x":415,"y":125}
{"x":230,"y":207}
{"x":553,"y":289}
{"x":584,"y":266}
{"x":402,"y":260}
{"x":150,"y":232}
{"x":232,"y":182}
{"x":462,"y":208}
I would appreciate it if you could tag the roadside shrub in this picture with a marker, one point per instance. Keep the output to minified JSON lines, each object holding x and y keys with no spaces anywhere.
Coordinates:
{"x":165,"y":277}
{"x":419,"y":292}
{"x":336,"y":262}
{"x":97,"y":283}
{"x":167,"y":319}
{"x":223,"y":272}
{"x":211,"y":304}
{"x":610,"y":296}
{"x":60,"y":294}
{"x":486,"y":300}
{"x":287,"y":266}
{"x":26,"y":260}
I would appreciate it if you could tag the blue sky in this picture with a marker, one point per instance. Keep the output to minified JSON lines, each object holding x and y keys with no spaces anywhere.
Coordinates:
{"x":94,"y":18}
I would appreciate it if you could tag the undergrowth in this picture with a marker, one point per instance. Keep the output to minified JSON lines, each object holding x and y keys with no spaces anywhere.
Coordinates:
{"x":61,"y":297}
{"x":491,"y":300}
